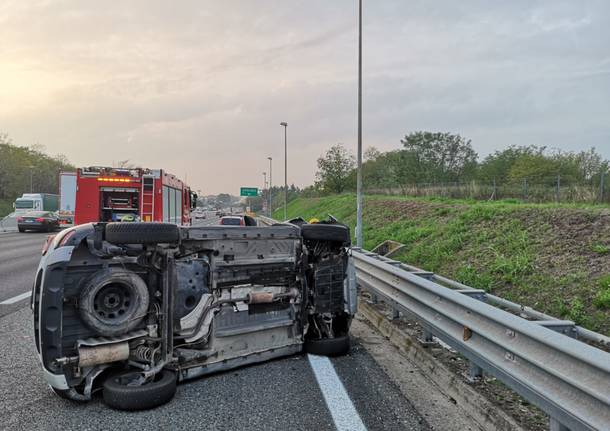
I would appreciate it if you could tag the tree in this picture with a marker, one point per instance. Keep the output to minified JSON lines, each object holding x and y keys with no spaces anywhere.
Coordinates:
{"x":18,"y":163}
{"x":334,"y":169}
{"x":591,"y":165}
{"x":439,"y":157}
{"x":499,"y":164}
{"x":224,"y":199}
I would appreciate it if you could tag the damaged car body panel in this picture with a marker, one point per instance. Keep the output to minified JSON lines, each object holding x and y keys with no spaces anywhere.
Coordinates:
{"x":160,"y":304}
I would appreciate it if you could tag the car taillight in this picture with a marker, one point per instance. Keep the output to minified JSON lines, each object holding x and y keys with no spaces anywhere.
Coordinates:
{"x":66,"y":238}
{"x":40,"y":220}
{"x":19,"y":219}
{"x":241,"y":222}
{"x":47,"y":243}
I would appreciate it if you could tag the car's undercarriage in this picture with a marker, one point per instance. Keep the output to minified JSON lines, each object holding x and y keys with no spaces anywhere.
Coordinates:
{"x":137,"y":305}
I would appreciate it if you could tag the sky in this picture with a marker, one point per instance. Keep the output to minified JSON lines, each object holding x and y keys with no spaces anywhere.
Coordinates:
{"x":199,"y":88}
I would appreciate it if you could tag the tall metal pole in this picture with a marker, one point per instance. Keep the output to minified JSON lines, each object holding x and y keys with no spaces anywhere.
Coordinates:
{"x":270,"y":186}
{"x":359,"y":172}
{"x":285,"y":169}
{"x":32,"y":178}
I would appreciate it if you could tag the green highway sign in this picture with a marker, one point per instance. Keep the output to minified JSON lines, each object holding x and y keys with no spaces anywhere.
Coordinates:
{"x":248,"y":191}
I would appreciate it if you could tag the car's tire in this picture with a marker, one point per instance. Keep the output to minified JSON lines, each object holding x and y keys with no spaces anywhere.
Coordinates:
{"x":119,"y":395}
{"x":21,"y":229}
{"x":142,"y":233}
{"x":337,"y":346}
{"x":113,"y":301}
{"x":326,"y":232}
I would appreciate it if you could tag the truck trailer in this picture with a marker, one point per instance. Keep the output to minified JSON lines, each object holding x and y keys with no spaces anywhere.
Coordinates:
{"x":67,"y":197}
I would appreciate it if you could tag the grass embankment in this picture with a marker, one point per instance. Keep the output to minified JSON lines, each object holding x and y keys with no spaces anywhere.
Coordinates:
{"x":6,"y":207}
{"x":554,"y":258}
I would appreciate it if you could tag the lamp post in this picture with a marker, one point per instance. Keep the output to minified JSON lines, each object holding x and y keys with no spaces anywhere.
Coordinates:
{"x":359,"y":172}
{"x":32,"y":178}
{"x":270,"y":185}
{"x":285,"y":169}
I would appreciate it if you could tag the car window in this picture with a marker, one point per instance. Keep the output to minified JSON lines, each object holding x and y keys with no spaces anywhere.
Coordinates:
{"x":23,"y":204}
{"x":38,"y":214}
{"x":231,"y":221}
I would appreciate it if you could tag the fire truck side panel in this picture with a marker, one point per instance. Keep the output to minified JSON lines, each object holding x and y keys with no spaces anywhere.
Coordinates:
{"x":154,"y":196}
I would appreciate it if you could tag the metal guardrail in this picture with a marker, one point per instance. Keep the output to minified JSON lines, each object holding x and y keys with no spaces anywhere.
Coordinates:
{"x":268,"y":221}
{"x":566,"y":378}
{"x":386,"y":248}
{"x":3,"y":223}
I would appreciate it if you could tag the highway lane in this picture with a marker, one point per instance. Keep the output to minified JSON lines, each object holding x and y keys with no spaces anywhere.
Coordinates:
{"x":19,"y":257}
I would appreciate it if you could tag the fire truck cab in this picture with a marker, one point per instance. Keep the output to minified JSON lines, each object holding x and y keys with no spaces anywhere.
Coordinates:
{"x":119,"y":194}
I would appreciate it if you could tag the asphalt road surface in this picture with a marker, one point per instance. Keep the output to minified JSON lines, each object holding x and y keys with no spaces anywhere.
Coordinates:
{"x":19,"y":256}
{"x":295,"y":393}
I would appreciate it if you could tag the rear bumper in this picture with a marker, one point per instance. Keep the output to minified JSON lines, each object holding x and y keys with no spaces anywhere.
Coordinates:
{"x":33,"y":226}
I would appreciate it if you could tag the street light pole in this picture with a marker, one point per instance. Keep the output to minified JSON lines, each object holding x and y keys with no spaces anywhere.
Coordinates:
{"x":270,"y":185}
{"x":285,"y":169}
{"x":31,"y":179}
{"x":263,"y":190}
{"x":359,"y":172}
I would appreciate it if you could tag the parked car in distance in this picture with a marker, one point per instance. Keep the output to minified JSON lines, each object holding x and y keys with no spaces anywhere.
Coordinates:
{"x":38,"y":220}
{"x":238,"y":220}
{"x":199,"y":215}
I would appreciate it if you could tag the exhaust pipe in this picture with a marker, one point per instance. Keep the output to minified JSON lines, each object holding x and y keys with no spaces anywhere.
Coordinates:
{"x":95,"y":355}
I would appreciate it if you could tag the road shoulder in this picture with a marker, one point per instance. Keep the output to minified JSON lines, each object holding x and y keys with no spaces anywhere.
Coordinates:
{"x":440,"y":411}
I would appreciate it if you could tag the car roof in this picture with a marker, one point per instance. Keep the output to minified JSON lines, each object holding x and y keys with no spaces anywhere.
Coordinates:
{"x":37,"y":213}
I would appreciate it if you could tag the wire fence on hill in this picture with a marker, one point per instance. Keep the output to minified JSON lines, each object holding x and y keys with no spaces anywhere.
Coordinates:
{"x":536,"y":191}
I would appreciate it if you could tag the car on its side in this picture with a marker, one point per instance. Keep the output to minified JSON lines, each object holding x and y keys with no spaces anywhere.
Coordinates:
{"x":134,"y":308}
{"x":41,"y":221}
{"x":238,"y":220}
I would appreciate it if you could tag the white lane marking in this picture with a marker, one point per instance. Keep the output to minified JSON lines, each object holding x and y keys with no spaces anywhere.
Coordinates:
{"x":339,"y":404}
{"x":16,"y":298}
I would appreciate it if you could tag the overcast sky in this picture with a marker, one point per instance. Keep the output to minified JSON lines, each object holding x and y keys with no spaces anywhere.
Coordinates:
{"x":199,"y":87}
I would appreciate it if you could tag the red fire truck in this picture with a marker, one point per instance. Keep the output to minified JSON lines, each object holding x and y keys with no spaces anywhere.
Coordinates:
{"x":120,"y":194}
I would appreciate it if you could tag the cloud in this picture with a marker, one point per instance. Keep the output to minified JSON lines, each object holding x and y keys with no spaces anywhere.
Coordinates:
{"x":199,"y":88}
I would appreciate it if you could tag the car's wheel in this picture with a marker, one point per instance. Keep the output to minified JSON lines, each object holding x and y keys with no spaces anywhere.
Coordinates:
{"x":123,"y":392}
{"x":21,"y":229}
{"x":114,"y":301}
{"x":325,"y":232}
{"x":142,"y":233}
{"x":336,"y":346}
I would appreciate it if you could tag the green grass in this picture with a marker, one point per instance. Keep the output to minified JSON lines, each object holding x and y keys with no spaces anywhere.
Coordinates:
{"x":602,"y":299}
{"x":547,"y":256}
{"x":6,"y":207}
{"x":600,"y":248}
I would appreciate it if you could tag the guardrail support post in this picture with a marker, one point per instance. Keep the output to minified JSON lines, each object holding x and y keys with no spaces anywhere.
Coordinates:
{"x":555,"y":425}
{"x":474,"y":373}
{"x":395,"y":313}
{"x":426,"y":339}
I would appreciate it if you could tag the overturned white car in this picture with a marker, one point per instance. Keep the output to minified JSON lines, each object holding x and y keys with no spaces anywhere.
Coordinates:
{"x":134,"y":308}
